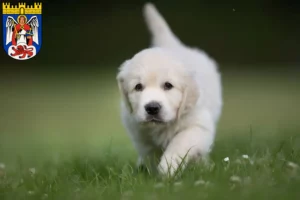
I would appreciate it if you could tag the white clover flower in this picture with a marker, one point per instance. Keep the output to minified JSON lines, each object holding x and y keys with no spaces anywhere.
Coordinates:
{"x":199,"y":182}
{"x":292,"y":165}
{"x":32,"y":170}
{"x":226,"y":159}
{"x":2,"y":166}
{"x":235,"y":179}
{"x":292,"y":169}
{"x":245,"y":156}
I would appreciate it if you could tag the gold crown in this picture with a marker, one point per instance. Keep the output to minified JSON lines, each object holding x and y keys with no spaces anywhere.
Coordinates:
{"x":21,"y":8}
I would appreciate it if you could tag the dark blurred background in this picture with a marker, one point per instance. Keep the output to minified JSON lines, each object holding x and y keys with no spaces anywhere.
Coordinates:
{"x":89,"y":35}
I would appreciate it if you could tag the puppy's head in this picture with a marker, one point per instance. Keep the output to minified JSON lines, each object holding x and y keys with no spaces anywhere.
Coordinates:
{"x":156,"y":88}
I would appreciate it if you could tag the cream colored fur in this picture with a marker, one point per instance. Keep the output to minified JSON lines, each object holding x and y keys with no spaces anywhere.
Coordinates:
{"x":189,"y":111}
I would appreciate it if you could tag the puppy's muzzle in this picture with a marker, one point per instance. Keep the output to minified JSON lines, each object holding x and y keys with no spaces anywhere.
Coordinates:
{"x":152,"y":108}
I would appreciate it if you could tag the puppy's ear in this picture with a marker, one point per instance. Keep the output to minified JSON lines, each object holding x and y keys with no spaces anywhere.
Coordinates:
{"x":121,"y":85}
{"x":190,"y":97}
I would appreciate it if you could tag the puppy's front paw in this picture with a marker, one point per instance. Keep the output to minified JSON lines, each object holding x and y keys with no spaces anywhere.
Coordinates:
{"x":170,"y":166}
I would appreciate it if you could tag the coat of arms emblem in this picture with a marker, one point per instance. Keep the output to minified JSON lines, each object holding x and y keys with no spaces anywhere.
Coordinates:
{"x":22,"y":25}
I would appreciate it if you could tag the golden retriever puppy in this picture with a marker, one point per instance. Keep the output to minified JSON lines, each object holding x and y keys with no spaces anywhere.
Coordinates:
{"x":172,"y":99}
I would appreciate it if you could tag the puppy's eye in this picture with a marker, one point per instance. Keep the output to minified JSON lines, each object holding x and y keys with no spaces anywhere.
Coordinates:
{"x":138,"y":87}
{"x":168,"y":86}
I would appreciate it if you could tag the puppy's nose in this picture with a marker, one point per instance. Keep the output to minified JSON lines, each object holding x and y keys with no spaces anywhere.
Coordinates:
{"x":152,"y":108}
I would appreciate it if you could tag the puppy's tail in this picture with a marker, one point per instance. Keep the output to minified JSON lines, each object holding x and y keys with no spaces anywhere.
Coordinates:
{"x":162,"y":36}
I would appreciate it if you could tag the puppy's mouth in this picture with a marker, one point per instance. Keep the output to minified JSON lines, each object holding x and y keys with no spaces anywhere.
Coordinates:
{"x":155,"y":120}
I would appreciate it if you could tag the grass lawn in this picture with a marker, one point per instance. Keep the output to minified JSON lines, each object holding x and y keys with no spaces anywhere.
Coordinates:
{"x":63,"y":139}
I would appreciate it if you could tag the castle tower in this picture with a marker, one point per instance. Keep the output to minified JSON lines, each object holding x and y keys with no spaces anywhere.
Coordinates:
{"x":22,"y":9}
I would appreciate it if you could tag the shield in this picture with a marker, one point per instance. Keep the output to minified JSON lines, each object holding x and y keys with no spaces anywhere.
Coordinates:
{"x":22,"y":30}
